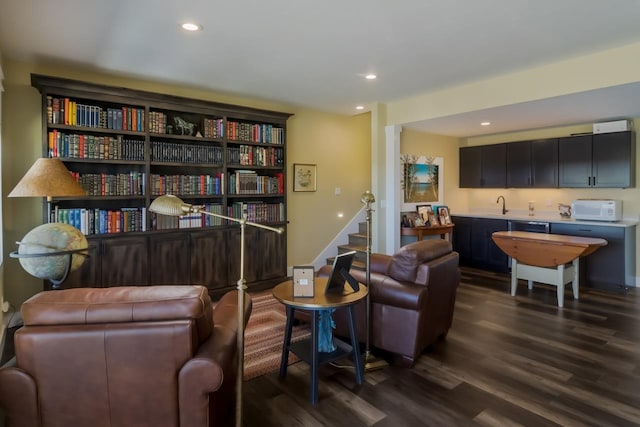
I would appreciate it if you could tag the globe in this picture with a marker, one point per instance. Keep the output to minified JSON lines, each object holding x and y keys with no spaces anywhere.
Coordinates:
{"x":51,"y":238}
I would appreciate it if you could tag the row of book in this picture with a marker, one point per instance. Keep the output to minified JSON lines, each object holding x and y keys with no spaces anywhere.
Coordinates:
{"x":259,"y":212}
{"x":248,"y":155}
{"x":81,"y":146}
{"x":187,"y":185}
{"x":213,"y":128}
{"x":104,"y":184}
{"x":162,"y":151}
{"x":66,"y":111}
{"x":249,"y":182}
{"x":254,"y":132}
{"x":102,"y":221}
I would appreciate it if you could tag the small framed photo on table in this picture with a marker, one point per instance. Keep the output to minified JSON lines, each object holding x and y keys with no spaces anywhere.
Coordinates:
{"x":303,"y":281}
{"x":428,"y":215}
{"x":443,"y":214}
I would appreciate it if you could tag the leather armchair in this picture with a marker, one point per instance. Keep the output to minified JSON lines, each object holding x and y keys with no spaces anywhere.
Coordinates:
{"x":412,"y":294}
{"x":156,"y":356}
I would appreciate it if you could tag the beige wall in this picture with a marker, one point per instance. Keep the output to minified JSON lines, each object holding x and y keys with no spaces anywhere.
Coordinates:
{"x":339,"y":145}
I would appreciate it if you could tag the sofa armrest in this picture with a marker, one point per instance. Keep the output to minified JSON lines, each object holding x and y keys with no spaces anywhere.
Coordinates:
{"x":214,"y":366}
{"x":18,"y":397}
{"x":204,"y":374}
{"x":387,"y":291}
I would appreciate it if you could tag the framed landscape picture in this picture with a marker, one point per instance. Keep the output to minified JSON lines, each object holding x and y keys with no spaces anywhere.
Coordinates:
{"x":421,"y":180}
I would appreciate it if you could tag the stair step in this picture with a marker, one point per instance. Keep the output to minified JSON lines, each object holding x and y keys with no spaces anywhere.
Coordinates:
{"x":357,"y":265}
{"x":358,"y":239}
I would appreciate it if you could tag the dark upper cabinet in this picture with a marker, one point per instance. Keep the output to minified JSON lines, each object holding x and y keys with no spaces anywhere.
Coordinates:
{"x":483,"y":166}
{"x":532,"y":164}
{"x":605,"y":160}
{"x":470,"y":167}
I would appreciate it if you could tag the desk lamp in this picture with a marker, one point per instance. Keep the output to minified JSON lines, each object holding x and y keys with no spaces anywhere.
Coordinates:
{"x":174,"y":206}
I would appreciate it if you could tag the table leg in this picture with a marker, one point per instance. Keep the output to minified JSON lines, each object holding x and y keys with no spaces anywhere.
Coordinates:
{"x":560,"y":284}
{"x":574,"y":284}
{"x":284,"y":361}
{"x":314,"y":356}
{"x":356,"y":346}
{"x":514,"y":276}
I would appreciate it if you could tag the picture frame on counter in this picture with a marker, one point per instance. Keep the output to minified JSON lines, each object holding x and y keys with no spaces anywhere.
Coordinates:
{"x":428,"y":215}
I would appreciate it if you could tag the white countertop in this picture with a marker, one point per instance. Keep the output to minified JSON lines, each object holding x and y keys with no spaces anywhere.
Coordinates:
{"x":542,"y":216}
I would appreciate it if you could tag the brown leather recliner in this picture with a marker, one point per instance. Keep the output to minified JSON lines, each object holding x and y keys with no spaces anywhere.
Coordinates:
{"x":413,"y":293}
{"x":157,"y":356}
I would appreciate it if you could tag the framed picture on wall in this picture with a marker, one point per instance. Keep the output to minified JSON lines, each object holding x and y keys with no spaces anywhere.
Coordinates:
{"x":304,"y":177}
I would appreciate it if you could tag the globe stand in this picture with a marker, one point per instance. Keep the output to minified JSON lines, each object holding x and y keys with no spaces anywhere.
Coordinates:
{"x":55,"y":282}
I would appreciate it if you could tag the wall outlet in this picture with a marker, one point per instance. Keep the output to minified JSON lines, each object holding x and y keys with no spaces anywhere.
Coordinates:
{"x":5,"y":306}
{"x":337,"y":191}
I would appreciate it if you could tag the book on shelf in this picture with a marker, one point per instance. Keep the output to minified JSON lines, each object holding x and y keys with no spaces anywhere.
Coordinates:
{"x":102,"y":221}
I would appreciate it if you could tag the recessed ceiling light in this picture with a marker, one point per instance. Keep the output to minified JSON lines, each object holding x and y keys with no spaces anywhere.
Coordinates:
{"x":190,"y":26}
{"x":370,"y":77}
{"x":360,"y":107}
{"x":485,"y":123}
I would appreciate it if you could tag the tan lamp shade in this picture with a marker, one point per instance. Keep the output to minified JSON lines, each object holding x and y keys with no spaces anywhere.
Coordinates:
{"x":47,"y":178}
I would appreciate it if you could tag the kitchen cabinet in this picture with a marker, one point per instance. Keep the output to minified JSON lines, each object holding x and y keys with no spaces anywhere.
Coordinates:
{"x":532,"y":164}
{"x":611,"y":267}
{"x":472,"y":240}
{"x":605,"y":160}
{"x":483,"y":166}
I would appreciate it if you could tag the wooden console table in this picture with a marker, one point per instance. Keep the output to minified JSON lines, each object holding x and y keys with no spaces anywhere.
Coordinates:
{"x":442,"y":230}
{"x":542,"y":258}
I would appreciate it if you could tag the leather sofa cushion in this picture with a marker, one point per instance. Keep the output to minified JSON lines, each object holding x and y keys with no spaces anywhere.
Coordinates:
{"x":404,"y":263}
{"x":121,"y":304}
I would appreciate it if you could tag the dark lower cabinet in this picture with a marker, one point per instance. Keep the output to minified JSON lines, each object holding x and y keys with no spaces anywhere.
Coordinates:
{"x":210,"y":259}
{"x":472,"y":240}
{"x":204,"y":257}
{"x":124,"y":261}
{"x":169,"y":259}
{"x":611,"y":267}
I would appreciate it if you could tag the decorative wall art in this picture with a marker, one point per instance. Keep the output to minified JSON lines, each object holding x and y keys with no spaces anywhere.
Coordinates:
{"x":421,"y":180}
{"x":304,"y":177}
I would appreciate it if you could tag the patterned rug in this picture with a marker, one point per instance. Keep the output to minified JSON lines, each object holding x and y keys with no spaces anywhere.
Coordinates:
{"x":264,"y":336}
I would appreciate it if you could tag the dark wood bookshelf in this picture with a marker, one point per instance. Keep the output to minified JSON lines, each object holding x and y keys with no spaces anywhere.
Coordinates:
{"x":123,"y":126}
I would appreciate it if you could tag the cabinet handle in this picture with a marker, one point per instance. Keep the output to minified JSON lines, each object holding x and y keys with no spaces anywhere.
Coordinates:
{"x":589,"y":182}
{"x":594,"y":181}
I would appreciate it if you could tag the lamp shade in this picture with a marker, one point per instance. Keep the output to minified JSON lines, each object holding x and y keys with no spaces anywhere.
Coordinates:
{"x":47,"y":178}
{"x":367,"y":197}
{"x":170,"y":205}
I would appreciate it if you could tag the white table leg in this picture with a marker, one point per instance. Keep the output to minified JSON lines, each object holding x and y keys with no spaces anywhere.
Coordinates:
{"x":514,"y":276}
{"x":560,"y":285}
{"x":574,"y":284}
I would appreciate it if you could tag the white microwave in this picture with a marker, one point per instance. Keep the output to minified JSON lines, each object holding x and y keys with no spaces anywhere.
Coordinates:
{"x":597,"y":209}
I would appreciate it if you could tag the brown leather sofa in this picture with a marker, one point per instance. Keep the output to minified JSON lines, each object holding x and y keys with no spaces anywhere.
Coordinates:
{"x":157,"y":356}
{"x":413,"y":293}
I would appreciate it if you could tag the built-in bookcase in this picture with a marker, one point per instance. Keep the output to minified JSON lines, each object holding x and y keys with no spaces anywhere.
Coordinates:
{"x":127,"y":147}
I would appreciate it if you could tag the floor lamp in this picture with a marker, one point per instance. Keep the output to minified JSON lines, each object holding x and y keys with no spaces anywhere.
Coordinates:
{"x":370,"y":362}
{"x":173,"y":206}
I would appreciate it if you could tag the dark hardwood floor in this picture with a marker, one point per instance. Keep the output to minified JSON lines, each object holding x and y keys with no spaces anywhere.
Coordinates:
{"x":507,"y":361}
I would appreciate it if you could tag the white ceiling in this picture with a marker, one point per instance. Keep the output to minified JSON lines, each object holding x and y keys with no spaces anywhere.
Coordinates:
{"x":315,"y":53}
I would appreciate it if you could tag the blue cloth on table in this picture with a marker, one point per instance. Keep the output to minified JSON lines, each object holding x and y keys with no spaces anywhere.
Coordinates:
{"x":325,"y":333}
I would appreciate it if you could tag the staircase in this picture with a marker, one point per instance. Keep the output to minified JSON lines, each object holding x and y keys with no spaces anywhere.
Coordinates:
{"x":358,"y":243}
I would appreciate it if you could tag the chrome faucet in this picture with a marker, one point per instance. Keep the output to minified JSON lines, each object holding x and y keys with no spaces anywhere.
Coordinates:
{"x":504,"y":210}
